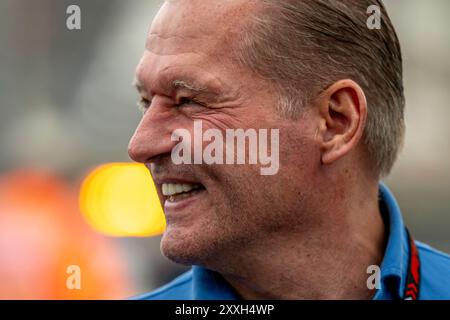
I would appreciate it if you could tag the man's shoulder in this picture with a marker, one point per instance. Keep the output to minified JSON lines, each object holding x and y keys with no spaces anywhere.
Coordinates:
{"x":435,"y":272}
{"x":179,"y":288}
{"x":433,"y":258}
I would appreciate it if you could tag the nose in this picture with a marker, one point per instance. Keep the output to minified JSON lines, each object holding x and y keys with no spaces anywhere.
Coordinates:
{"x":152,"y":136}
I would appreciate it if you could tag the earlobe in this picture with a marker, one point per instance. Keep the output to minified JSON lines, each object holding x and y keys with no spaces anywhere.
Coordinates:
{"x":343,"y":112}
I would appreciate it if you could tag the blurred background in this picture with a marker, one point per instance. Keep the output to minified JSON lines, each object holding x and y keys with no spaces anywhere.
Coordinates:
{"x":67,"y":111}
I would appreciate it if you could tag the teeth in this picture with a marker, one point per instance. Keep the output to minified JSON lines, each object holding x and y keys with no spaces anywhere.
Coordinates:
{"x":170,"y":189}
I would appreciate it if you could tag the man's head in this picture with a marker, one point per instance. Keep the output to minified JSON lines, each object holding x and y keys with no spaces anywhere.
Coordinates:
{"x":311,"y":69}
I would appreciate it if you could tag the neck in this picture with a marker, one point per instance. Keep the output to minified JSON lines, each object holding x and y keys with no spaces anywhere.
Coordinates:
{"x":328,"y":261}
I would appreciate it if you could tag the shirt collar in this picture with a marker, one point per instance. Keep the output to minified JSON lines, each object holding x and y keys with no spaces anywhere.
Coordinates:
{"x":394,"y":266}
{"x":210,"y":285}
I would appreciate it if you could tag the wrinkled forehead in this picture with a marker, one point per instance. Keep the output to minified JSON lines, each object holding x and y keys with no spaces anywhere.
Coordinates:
{"x":189,"y":25}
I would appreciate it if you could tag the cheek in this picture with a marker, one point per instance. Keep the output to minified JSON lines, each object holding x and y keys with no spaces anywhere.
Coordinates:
{"x":299,"y":149}
{"x":232,"y":179}
{"x":233,"y":190}
{"x":299,"y":160}
{"x":298,"y":152}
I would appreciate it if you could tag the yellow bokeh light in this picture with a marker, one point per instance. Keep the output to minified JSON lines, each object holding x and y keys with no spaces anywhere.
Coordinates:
{"x":120,"y":199}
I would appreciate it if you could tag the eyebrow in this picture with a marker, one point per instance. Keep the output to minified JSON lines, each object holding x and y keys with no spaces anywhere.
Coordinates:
{"x":182,"y":84}
{"x":138,"y":85}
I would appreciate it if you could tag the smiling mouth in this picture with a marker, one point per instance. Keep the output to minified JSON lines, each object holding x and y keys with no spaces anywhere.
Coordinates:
{"x":175,"y":192}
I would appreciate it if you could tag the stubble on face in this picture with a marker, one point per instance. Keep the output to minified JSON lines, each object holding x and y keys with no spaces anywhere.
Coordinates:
{"x":240,"y":208}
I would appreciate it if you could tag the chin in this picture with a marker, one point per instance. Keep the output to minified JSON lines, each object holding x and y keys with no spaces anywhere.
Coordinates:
{"x":203,"y":241}
{"x":187,"y":247}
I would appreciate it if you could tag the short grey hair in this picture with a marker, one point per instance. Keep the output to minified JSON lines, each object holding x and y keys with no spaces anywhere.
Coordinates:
{"x":304,"y":46}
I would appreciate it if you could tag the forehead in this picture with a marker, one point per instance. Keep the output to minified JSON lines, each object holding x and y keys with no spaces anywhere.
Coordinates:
{"x":199,"y":19}
{"x":192,"y":37}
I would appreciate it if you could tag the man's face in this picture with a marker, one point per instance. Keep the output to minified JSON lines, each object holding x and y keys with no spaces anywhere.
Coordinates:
{"x":190,"y":43}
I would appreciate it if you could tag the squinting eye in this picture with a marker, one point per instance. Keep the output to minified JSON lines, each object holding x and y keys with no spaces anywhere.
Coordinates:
{"x":186,"y":102}
{"x":143,"y":104}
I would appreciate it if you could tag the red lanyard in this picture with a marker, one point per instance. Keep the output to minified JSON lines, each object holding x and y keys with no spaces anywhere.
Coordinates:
{"x":413,"y":279}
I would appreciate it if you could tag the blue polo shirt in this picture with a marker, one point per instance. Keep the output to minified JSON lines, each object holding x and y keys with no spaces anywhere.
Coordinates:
{"x":202,"y":284}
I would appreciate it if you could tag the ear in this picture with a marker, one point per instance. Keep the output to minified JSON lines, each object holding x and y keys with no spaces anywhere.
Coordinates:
{"x":343,"y":113}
